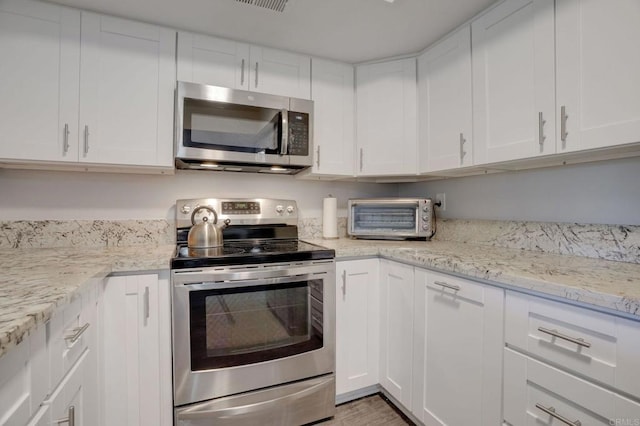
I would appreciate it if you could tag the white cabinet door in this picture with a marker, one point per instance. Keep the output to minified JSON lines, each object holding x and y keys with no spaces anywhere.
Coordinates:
{"x":386,"y":118}
{"x":127,"y":81}
{"x":396,"y":331}
{"x":536,"y":393}
{"x":597,"y":70}
{"x":459,"y":359}
{"x":215,"y":61}
{"x":67,"y":401}
{"x":136,"y":351}
{"x":280,"y":73}
{"x":444,"y":104}
{"x":514,"y":81}
{"x":40,"y":51}
{"x":357,"y":324}
{"x":333,"y":118}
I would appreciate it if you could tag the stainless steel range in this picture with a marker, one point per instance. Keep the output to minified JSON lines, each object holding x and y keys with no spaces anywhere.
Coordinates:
{"x":253,"y":320}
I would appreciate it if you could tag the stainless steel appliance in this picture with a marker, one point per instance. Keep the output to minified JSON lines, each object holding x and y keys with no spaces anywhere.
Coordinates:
{"x":391,"y":218}
{"x":218,"y":128}
{"x":253,"y":320}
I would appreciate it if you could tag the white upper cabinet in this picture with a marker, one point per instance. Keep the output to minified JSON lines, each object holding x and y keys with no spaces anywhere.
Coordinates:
{"x":214,"y":61}
{"x":40,"y":51}
{"x":598,"y":87}
{"x":386,"y":118}
{"x":127,"y":82}
{"x":514,"y":81}
{"x":444,"y":104}
{"x":332,"y":91}
{"x":219,"y":62}
{"x":280,"y":73}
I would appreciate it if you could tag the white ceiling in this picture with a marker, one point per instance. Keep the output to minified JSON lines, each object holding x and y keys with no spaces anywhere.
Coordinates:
{"x":346,"y":30}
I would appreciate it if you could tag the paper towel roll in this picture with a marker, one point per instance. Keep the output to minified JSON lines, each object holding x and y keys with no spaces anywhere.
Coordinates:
{"x":330,"y":217}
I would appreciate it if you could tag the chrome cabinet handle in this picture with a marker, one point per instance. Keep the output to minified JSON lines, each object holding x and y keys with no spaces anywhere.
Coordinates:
{"x":344,"y":284}
{"x":256,"y":75}
{"x":318,"y":157}
{"x":447,"y":285}
{"x":66,"y":139}
{"x":462,"y":151}
{"x":71,"y":417}
{"x":563,"y":125}
{"x":361,"y":158}
{"x":146,"y":305}
{"x":76,"y":333}
{"x":86,"y":140}
{"x":242,"y":73}
{"x":552,"y":412}
{"x":541,"y":137}
{"x":578,"y":341}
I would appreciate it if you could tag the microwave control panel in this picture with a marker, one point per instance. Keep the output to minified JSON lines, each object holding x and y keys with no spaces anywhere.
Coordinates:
{"x":298,"y":133}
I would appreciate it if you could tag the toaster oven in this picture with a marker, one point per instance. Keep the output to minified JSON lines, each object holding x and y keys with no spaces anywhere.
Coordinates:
{"x":391,"y":218}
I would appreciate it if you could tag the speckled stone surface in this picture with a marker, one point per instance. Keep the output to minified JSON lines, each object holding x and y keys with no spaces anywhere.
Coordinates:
{"x":34,"y":282}
{"x":613,"y":286}
{"x":312,"y":227}
{"x":610,"y":242}
{"x":85,"y":233}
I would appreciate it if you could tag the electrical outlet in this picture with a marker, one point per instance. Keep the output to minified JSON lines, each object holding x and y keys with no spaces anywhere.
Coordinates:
{"x":442,"y":199}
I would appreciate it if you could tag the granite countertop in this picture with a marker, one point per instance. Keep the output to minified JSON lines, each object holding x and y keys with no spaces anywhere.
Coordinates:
{"x":34,"y":282}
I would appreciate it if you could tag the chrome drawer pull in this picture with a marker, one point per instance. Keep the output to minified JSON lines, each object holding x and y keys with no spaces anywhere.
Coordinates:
{"x":344,"y":284}
{"x":552,"y":412}
{"x":563,"y":126}
{"x":555,"y":333}
{"x":446,"y":285}
{"x":77,"y":332}
{"x":71,"y":419}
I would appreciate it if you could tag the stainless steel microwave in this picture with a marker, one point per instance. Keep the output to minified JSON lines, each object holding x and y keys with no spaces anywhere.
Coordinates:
{"x":391,"y":218}
{"x":224,"y":129}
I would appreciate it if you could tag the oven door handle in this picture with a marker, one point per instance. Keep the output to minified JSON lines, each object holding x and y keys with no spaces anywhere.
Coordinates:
{"x":216,"y":285}
{"x":190,"y":278}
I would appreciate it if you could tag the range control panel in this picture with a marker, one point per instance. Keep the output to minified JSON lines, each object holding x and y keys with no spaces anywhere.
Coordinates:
{"x":239,"y":211}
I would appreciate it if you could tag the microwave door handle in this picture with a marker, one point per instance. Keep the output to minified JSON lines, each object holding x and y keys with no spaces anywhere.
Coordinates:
{"x":284,"y":147}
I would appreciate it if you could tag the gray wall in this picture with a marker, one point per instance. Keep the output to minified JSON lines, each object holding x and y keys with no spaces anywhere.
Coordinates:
{"x":605,"y":192}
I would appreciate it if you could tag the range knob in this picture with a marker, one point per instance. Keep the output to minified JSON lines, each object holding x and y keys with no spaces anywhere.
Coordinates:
{"x":279,"y":209}
{"x":290,"y":209}
{"x":186,"y":209}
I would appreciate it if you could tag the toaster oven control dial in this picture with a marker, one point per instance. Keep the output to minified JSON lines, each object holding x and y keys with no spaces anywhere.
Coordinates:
{"x":425,"y":209}
{"x":425,"y":218}
{"x":425,"y":227}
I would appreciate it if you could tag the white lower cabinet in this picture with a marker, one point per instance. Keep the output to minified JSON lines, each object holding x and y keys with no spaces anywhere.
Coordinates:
{"x":357,"y":325}
{"x":458,"y":351}
{"x":396,"y":330}
{"x":536,"y":393}
{"x":135,"y":369}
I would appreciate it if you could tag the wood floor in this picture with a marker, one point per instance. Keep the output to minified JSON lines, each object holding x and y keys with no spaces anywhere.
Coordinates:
{"x":371,"y":411}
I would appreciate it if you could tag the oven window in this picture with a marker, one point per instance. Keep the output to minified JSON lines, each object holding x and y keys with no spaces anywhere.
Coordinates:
{"x":230,"y":127}
{"x":238,"y":326}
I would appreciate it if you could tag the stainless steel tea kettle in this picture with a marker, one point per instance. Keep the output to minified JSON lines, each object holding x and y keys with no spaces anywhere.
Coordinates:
{"x":205,"y":234}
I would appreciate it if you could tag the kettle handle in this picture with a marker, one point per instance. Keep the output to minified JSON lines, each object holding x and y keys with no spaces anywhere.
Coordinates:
{"x":211,"y":209}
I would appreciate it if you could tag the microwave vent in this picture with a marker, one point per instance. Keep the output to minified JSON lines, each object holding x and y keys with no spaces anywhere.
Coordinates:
{"x":277,"y":5}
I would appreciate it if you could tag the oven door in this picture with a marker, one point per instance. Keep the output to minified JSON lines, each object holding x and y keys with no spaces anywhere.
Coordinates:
{"x":242,"y":329}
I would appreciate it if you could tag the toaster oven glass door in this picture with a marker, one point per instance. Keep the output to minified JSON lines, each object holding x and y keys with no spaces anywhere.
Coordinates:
{"x":376,"y":219}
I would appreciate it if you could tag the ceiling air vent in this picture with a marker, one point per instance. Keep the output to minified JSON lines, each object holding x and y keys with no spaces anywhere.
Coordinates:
{"x":277,"y":5}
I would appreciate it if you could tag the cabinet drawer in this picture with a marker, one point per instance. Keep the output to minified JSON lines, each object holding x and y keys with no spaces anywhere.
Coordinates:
{"x":15,"y":386}
{"x":536,"y":393}
{"x":67,"y":338}
{"x":601,"y":347}
{"x":446,"y":284}
{"x":69,"y":394}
